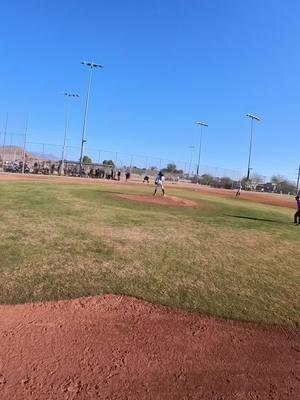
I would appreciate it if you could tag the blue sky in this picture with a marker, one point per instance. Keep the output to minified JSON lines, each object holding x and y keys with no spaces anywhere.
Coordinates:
{"x":167,"y":64}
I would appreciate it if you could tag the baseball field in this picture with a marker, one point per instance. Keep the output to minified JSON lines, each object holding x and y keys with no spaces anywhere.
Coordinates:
{"x":209,"y":282}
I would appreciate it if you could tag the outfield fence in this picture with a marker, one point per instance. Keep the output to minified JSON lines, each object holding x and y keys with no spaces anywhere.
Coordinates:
{"x":13,"y":148}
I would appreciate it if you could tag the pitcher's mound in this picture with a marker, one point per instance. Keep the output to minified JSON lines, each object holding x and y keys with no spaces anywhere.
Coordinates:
{"x":166,"y":200}
{"x":115,"y":347}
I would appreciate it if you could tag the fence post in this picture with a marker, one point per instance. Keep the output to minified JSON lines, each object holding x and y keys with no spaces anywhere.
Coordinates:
{"x":24,"y":147}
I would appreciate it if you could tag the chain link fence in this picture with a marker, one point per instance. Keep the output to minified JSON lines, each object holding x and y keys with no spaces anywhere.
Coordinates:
{"x":42,"y":157}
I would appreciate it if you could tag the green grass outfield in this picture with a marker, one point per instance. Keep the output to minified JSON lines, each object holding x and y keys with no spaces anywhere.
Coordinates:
{"x":226,"y":257}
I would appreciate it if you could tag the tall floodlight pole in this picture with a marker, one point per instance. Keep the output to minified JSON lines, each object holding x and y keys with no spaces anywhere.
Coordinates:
{"x":191,"y":157}
{"x":298,"y":180}
{"x":68,"y":107}
{"x":90,"y":65}
{"x":200,"y":145}
{"x":4,"y":138}
{"x":250,"y":145}
{"x":24,"y":147}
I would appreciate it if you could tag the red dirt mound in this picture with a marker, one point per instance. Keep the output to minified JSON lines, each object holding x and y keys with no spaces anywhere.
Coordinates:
{"x":166,"y":200}
{"x":114,"y":347}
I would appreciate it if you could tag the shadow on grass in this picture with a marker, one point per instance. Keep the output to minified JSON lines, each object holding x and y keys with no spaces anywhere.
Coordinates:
{"x":112,"y":192}
{"x":255,"y":218}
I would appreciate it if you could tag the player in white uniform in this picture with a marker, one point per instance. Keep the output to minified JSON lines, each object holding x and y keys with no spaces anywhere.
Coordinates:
{"x":159,"y":183}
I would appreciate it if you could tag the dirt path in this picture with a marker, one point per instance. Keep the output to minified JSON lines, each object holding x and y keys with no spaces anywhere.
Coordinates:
{"x":114,"y":347}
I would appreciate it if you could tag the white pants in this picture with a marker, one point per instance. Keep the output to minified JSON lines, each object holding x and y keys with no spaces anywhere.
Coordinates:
{"x":159,"y":184}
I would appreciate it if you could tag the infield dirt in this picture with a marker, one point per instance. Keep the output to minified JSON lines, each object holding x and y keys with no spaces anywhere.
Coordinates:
{"x":115,"y":347}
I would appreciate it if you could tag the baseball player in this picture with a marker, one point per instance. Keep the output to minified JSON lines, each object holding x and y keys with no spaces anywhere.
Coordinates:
{"x":297,"y":213}
{"x":146,"y":179}
{"x":159,"y":183}
{"x":238,"y":191}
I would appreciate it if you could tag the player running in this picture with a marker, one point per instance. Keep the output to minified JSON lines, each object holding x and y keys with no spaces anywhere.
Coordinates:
{"x":238,"y":191}
{"x":159,"y":183}
{"x":297,"y":213}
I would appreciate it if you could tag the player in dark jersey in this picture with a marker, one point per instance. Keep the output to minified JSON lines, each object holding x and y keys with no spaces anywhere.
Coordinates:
{"x":297,"y":213}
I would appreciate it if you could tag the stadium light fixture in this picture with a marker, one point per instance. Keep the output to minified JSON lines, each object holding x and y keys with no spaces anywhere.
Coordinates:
{"x":90,"y":65}
{"x":252,"y":117}
{"x":201,"y":123}
{"x":71,"y":94}
{"x":68,"y":107}
{"x":200,"y":146}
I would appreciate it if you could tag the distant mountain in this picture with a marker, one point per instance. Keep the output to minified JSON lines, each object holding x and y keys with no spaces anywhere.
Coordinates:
{"x":14,"y":153}
{"x":11,"y":153}
{"x":46,"y":156}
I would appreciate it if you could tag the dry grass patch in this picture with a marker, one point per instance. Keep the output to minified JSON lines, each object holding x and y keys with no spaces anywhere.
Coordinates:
{"x":73,"y":240}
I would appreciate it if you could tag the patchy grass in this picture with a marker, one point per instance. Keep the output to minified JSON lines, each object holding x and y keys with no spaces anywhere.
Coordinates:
{"x":225,"y":257}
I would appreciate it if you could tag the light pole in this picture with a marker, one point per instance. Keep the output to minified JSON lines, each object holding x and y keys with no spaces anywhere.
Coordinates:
{"x":147,"y":158}
{"x":4,"y":138}
{"x":68,"y":107}
{"x":250,"y":146}
{"x":200,"y":145}
{"x":91,"y":65}
{"x":24,"y":148}
{"x":298,"y":180}
{"x":191,"y":157}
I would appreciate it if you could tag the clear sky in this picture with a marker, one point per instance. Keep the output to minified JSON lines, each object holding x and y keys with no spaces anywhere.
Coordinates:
{"x":167,"y":64}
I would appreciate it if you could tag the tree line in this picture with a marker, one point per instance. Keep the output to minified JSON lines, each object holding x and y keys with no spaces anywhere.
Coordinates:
{"x":277,"y":184}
